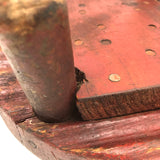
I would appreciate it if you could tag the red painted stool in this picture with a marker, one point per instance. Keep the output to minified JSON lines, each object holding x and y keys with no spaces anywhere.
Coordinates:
{"x":94,"y":94}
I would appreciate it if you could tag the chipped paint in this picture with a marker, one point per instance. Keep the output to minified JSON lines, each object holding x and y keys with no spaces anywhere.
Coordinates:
{"x":152,"y":150}
{"x":3,"y":72}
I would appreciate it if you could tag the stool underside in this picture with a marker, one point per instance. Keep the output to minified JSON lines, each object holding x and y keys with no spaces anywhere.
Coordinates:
{"x":119,"y":37}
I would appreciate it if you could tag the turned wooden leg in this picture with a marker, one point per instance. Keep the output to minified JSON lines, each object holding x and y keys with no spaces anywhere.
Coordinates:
{"x":35,"y":37}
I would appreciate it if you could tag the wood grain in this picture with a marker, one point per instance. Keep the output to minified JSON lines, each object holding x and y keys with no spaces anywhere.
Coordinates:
{"x":119,"y":104}
{"x":116,"y":37}
{"x":133,"y":137}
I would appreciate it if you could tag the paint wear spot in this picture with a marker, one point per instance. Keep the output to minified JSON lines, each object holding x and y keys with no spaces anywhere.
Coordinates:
{"x":78,"y":42}
{"x":130,"y":3}
{"x":146,"y":2}
{"x":138,"y":9}
{"x":101,"y":26}
{"x":82,"y":12}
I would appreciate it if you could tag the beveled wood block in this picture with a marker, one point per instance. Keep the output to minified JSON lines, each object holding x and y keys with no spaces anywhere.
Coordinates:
{"x":116,"y":45}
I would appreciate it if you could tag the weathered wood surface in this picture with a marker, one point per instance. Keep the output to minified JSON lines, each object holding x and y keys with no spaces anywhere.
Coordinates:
{"x":116,"y":37}
{"x":115,"y":44}
{"x":35,"y":37}
{"x":133,"y":137}
{"x":130,"y":137}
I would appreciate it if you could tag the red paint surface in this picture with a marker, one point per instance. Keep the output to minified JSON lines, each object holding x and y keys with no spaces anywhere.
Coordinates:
{"x":126,"y":25}
{"x":127,"y":138}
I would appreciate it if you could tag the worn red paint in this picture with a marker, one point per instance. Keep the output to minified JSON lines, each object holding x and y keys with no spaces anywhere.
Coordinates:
{"x":121,"y":46}
{"x":130,"y":34}
{"x":127,"y":138}
{"x":129,"y":27}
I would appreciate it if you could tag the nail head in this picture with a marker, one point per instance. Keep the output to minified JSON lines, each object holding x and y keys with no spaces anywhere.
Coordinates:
{"x":114,"y":77}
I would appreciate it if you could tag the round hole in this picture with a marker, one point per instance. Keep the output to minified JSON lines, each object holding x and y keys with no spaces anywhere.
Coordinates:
{"x":152,"y":26}
{"x":78,"y":42}
{"x":82,"y":12}
{"x":114,"y":77}
{"x":106,"y":41}
{"x":101,"y":26}
{"x":82,"y":5}
{"x":150,"y":52}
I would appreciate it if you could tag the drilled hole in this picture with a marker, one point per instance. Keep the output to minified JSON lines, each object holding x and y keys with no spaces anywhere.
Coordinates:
{"x":101,"y":26}
{"x":82,"y":5}
{"x":150,"y":52}
{"x":82,"y":12}
{"x":152,"y":26}
{"x":106,"y":41}
{"x":78,"y":42}
{"x":114,"y":77}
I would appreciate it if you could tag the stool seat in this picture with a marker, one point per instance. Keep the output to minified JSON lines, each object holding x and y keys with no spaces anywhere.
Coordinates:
{"x":116,"y":56}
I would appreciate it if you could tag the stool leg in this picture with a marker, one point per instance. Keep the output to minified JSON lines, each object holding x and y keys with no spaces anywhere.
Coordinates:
{"x":35,"y":38}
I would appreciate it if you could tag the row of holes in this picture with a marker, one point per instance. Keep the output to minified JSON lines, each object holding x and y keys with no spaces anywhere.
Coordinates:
{"x":113,"y":77}
{"x":79,"y":42}
{"x":84,"y":12}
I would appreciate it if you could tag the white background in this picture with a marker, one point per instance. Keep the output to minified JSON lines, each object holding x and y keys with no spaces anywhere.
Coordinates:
{"x":11,"y":148}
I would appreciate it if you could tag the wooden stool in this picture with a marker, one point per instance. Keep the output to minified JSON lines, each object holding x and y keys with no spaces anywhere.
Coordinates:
{"x":116,"y":55}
